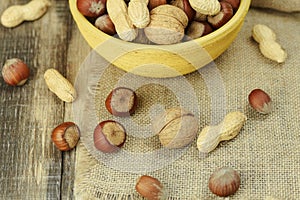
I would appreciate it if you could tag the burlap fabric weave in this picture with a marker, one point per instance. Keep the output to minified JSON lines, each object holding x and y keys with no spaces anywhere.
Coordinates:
{"x":285,"y":6}
{"x":266,"y":152}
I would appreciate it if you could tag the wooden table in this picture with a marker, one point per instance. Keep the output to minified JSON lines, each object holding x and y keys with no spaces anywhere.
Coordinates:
{"x":31,"y":166}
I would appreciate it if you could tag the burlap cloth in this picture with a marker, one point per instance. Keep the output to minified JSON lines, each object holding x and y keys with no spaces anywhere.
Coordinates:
{"x":266,"y":152}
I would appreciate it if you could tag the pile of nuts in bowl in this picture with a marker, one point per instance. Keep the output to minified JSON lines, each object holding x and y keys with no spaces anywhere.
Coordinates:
{"x":159,"y":21}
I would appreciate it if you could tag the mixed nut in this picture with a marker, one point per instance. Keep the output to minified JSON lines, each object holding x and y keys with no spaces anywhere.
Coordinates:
{"x":175,"y":127}
{"x":162,"y":21}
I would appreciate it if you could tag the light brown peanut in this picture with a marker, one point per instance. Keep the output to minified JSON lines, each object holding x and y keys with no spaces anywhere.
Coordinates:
{"x":267,"y":43}
{"x":118,"y":13}
{"x":206,"y":7}
{"x":16,"y":14}
{"x":211,"y":136}
{"x":139,"y":13}
{"x":59,"y":85}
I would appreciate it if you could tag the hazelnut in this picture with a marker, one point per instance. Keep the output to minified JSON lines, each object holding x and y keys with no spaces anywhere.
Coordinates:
{"x":109,"y":135}
{"x":234,"y":3}
{"x":200,"y":17}
{"x":222,"y":17}
{"x":121,"y":102}
{"x":15,"y":72}
{"x":91,"y":8}
{"x":197,"y":29}
{"x":150,"y":188}
{"x":175,"y":127}
{"x":260,"y":101}
{"x":65,"y":136}
{"x":105,"y":24}
{"x":224,"y":181}
{"x":154,"y":3}
{"x":185,"y":6}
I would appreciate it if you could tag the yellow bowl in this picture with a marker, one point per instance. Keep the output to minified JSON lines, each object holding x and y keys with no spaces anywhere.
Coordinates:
{"x":161,"y":60}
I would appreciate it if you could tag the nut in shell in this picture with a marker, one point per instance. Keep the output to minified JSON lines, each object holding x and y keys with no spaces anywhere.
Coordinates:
{"x":59,"y":85}
{"x":121,"y":102}
{"x":150,"y":188}
{"x":222,"y":17}
{"x":185,"y":6}
{"x":109,"y":136}
{"x":15,"y":72}
{"x":138,"y":13}
{"x":175,"y":127}
{"x":260,"y":101}
{"x":224,"y":182}
{"x":211,"y":136}
{"x":206,"y":7}
{"x":167,"y":25}
{"x":65,"y":136}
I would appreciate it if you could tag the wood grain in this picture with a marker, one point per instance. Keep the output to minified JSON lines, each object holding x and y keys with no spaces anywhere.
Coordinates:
{"x":31,"y":166}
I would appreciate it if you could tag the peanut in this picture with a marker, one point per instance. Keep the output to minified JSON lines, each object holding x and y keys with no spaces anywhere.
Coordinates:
{"x":118,"y":13}
{"x":16,"y":14}
{"x":206,"y":7}
{"x":267,"y":43}
{"x":211,"y":136}
{"x":138,"y":13}
{"x":59,"y":85}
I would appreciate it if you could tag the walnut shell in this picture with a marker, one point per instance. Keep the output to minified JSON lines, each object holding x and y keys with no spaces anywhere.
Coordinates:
{"x":175,"y":127}
{"x":167,"y":25}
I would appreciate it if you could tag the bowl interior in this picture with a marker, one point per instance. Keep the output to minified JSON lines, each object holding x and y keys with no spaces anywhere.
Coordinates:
{"x":138,"y":58}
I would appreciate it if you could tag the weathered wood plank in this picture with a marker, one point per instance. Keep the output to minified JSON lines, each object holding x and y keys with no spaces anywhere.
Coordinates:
{"x":31,"y":167}
{"x":77,"y":51}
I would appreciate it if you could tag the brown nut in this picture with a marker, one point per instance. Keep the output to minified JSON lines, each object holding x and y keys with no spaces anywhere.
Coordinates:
{"x":15,"y":72}
{"x":154,"y":3}
{"x":121,"y":102}
{"x":224,"y":182}
{"x":260,"y":101}
{"x":91,"y":8}
{"x":185,"y":6}
{"x":175,"y":127}
{"x":197,"y":29}
{"x":109,"y":136}
{"x":65,"y":136}
{"x":150,"y":188}
{"x":167,"y":25}
{"x":105,"y":24}
{"x":222,"y":17}
{"x":234,"y":3}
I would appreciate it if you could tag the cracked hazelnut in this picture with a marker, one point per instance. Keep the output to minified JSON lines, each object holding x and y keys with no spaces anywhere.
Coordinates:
{"x":121,"y":102}
{"x":65,"y":136}
{"x":224,"y":182}
{"x":109,"y":136}
{"x":222,"y":17}
{"x":15,"y":72}
{"x":175,"y":127}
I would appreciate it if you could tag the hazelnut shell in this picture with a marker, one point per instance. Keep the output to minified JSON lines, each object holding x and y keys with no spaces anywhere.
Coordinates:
{"x":150,"y":188}
{"x":15,"y":72}
{"x":121,"y":102}
{"x":109,"y":136}
{"x":224,"y":181}
{"x":260,"y":101}
{"x":65,"y":136}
